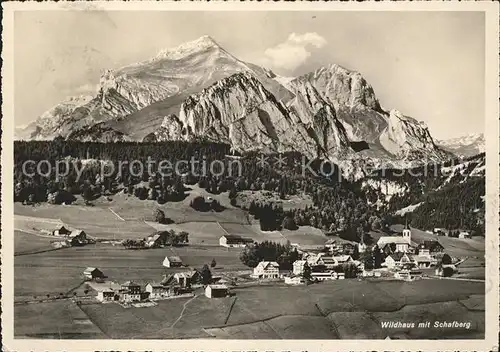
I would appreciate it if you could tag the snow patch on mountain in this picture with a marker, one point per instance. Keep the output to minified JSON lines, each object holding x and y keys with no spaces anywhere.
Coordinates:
{"x":408,"y":209}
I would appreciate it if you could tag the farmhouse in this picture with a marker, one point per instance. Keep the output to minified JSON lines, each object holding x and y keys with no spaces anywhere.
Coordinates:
{"x":130,"y":292}
{"x":106,"y":295}
{"x":61,"y":231}
{"x":234,"y":241}
{"x":172,"y":262}
{"x":157,"y":291}
{"x":422,"y":261}
{"x":323,"y":276}
{"x":93,"y":273}
{"x":333,"y":245}
{"x":78,"y":238}
{"x":266,"y":270}
{"x":215,"y":291}
{"x":397,"y":260}
{"x":298,"y":267}
{"x":184,"y":279}
{"x":432,"y":247}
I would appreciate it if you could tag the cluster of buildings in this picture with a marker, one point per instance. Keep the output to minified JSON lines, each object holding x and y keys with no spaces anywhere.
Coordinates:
{"x":70,"y":238}
{"x":173,"y":285}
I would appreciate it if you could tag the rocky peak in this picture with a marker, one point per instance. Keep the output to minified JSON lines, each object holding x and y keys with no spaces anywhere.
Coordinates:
{"x":201,"y":44}
{"x":343,"y":87}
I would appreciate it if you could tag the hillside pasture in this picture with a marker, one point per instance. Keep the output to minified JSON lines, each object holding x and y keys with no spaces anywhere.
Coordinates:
{"x":25,"y":243}
{"x":254,"y":232}
{"x":61,"y":320}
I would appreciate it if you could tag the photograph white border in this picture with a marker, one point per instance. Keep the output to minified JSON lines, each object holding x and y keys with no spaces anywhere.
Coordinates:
{"x":490,"y":343}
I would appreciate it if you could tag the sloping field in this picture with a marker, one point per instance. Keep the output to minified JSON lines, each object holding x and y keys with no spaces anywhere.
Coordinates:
{"x":202,"y":233}
{"x":253,"y":232}
{"x":306,"y":236}
{"x":25,"y":243}
{"x":61,"y":320}
{"x":131,"y":208}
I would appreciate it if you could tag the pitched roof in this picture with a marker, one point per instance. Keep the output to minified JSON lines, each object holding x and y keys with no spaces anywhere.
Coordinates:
{"x":89,"y":270}
{"x":76,"y":233}
{"x":236,"y":239}
{"x":329,"y":260}
{"x":264,"y":265}
{"x":421,"y":258}
{"x":218,"y":287}
{"x":129,"y":283}
{"x":174,"y":259}
{"x":342,"y":258}
{"x":397,"y":256}
{"x":391,"y":239}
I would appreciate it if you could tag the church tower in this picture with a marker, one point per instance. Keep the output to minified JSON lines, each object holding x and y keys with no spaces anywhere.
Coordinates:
{"x":407,"y":233}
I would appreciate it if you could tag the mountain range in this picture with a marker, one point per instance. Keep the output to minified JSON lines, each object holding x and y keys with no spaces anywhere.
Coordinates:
{"x":200,"y":91}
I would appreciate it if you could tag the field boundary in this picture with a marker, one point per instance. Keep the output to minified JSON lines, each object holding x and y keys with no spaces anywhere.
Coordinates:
{"x":118,"y":216}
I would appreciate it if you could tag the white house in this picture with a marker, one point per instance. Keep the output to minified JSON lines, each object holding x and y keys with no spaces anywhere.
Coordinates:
{"x":423,"y":261}
{"x":234,"y":241}
{"x":157,"y":291}
{"x":323,"y":276}
{"x":106,"y":295}
{"x":172,"y":262}
{"x":214,"y":291}
{"x":266,"y":270}
{"x":298,"y":267}
{"x":397,"y":259}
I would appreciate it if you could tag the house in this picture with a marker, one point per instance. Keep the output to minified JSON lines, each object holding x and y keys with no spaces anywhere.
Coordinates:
{"x":157,"y":291}
{"x":342,"y":259}
{"x":440,"y":231}
{"x":106,"y":295}
{"x":340,"y":276}
{"x":215,"y":291}
{"x":464,"y":234}
{"x":230,"y":241}
{"x":295,"y":280}
{"x":184,"y":279}
{"x":323,"y":276}
{"x":298,"y":267}
{"x":402,"y":244}
{"x":432,"y":246}
{"x":93,"y":273}
{"x":157,"y":239}
{"x":403,"y":275}
{"x":77,"y":238}
{"x":172,"y":262}
{"x":61,"y":231}
{"x":348,"y":248}
{"x":334,"y":245}
{"x":397,"y":260}
{"x":422,"y":261}
{"x":130,"y":292}
{"x":266,"y":270}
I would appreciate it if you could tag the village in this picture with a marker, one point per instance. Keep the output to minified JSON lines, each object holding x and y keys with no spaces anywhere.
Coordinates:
{"x":336,"y":260}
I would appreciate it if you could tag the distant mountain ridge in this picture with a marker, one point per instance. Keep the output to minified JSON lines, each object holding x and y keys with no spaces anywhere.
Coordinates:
{"x":200,"y":90}
{"x":465,"y":146}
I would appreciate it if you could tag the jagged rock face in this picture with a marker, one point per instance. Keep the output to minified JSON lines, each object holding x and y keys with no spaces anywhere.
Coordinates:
{"x":199,"y":90}
{"x":352,"y":97}
{"x":409,"y":139}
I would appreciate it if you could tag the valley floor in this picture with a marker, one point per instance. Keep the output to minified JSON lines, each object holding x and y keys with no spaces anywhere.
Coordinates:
{"x":48,"y":284}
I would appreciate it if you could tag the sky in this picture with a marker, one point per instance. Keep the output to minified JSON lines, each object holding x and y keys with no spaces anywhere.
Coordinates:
{"x":428,"y":65}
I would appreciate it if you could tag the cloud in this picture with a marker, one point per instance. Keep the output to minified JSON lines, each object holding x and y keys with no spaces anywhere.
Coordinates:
{"x":293,"y":52}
